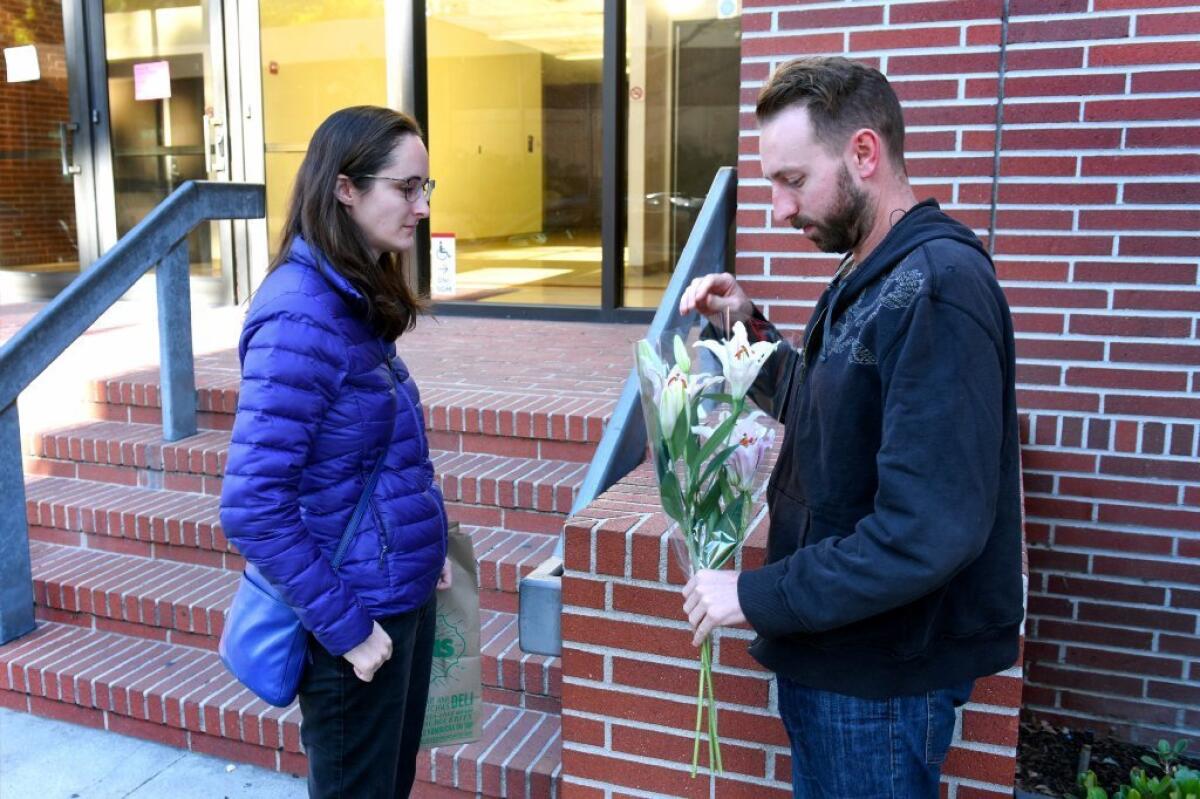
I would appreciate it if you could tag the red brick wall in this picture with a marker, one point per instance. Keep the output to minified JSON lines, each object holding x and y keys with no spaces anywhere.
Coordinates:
{"x":35,"y":197}
{"x":1097,"y":247}
{"x":630,"y":675}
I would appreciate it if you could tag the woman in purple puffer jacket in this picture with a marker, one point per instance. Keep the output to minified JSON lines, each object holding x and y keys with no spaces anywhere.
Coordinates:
{"x":323,"y":399}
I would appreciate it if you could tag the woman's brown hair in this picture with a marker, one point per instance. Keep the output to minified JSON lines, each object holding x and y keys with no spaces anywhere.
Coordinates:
{"x":354,"y":142}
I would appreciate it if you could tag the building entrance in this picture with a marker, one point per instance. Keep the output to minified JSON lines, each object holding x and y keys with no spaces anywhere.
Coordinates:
{"x":563,"y":181}
{"x":114,"y":104}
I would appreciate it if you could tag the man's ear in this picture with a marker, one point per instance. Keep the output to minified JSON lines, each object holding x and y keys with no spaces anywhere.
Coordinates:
{"x":344,"y":190}
{"x":865,"y":152}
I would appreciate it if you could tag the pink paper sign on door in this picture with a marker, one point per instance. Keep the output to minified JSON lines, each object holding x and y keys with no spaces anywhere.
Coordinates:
{"x":152,"y":80}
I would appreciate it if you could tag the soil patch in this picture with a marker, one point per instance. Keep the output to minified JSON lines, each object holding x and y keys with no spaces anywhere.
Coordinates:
{"x":1048,"y":759}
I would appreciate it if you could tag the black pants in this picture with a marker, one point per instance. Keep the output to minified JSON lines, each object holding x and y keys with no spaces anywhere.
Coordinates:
{"x":362,"y":737}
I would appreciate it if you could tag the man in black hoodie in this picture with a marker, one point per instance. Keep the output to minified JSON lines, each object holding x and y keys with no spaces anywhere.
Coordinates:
{"x":893,"y":573}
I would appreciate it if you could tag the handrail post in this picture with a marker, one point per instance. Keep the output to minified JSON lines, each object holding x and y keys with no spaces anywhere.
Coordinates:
{"x":16,"y":571}
{"x":623,"y":445}
{"x":177,"y":369}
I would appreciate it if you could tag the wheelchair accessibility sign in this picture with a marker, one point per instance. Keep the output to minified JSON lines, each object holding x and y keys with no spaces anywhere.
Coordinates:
{"x":442,"y":263}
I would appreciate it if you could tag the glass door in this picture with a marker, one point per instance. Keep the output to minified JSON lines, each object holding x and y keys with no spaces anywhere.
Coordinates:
{"x":515,"y":145}
{"x":298,"y":62}
{"x":166,"y":97}
{"x":47,"y":206}
{"x":684,"y":61}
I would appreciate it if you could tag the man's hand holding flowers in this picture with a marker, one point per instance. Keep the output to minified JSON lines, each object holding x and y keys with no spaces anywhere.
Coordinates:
{"x":710,"y":600}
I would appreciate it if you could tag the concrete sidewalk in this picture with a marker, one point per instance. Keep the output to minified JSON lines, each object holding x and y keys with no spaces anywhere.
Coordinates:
{"x":46,"y":759}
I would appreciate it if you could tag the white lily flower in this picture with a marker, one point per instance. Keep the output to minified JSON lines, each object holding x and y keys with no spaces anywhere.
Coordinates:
{"x":678,"y":391}
{"x":681,"y":355}
{"x":753,"y":442}
{"x":672,"y":400}
{"x":740,"y":360}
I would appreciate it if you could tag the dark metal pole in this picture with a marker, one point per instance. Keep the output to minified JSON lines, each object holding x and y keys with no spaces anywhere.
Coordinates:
{"x":16,"y":572}
{"x":613,"y":127}
{"x":177,"y":369}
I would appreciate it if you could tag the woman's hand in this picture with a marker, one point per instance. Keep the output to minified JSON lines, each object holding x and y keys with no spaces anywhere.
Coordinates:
{"x":445,"y":578}
{"x":372,"y":653}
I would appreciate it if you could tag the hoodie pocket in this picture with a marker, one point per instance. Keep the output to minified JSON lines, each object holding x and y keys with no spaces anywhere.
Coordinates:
{"x":790,"y":523}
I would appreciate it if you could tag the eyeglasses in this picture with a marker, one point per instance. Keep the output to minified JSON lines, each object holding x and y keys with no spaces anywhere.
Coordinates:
{"x":410,"y":190}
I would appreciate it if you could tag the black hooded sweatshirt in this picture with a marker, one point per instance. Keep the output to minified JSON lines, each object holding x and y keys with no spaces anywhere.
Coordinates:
{"x":894,"y":552}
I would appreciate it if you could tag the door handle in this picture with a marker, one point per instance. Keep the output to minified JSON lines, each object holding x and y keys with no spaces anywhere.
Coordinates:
{"x":219,"y":161}
{"x":67,"y":167}
{"x":214,"y":145}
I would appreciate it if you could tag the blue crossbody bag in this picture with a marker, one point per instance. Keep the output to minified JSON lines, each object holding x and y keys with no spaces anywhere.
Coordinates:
{"x":263,"y":643}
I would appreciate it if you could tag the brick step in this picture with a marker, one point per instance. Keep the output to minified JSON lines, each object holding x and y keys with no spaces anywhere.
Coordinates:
{"x":185,"y":604}
{"x":184,"y":527}
{"x":182,"y":696}
{"x":536,"y":494}
{"x":473,"y":415}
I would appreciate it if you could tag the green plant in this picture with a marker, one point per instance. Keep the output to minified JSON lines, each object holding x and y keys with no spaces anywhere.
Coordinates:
{"x":1176,"y":782}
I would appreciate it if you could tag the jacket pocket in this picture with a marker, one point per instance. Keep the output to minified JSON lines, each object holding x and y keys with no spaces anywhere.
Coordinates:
{"x":381,"y":531}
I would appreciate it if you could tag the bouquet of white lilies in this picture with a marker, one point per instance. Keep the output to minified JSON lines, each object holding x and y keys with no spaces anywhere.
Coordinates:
{"x":707,"y":450}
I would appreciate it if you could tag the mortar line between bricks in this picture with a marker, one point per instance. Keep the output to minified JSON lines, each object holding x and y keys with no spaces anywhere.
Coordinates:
{"x":484,"y":754}
{"x":528,"y":776}
{"x":513,"y":753}
{"x":684,"y":733}
{"x":454,"y":757}
{"x":667,"y":765}
{"x":690,"y":702}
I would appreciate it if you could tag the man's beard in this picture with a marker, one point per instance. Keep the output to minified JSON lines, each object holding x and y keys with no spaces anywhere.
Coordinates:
{"x":848,"y":222}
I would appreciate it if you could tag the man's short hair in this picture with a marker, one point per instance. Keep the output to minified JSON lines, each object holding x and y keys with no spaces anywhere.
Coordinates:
{"x":842,"y":96}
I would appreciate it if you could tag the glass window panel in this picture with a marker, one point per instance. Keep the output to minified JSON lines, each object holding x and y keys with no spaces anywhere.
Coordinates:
{"x":317,"y":56}
{"x":514,"y":143}
{"x":161,"y":100}
{"x":37,"y":202}
{"x":683,"y":59}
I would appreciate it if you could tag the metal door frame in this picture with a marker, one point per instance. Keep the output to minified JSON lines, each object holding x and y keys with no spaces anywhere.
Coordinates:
{"x":86,"y":127}
{"x":95,"y":185}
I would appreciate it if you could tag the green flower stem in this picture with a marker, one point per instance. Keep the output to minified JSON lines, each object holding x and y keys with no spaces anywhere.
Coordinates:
{"x":699,"y":718}
{"x":714,"y":740}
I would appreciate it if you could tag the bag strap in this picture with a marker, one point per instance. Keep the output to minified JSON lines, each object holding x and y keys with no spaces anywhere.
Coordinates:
{"x":368,"y":489}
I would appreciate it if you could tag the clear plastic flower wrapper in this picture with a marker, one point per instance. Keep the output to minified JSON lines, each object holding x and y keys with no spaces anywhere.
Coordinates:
{"x":707,"y":449}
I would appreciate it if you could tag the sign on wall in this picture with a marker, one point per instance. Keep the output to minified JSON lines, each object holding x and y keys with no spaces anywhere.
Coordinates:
{"x":21,"y":64}
{"x":443,"y":264}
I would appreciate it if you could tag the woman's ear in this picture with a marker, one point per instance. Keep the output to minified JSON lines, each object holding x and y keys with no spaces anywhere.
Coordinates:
{"x":345,"y":191}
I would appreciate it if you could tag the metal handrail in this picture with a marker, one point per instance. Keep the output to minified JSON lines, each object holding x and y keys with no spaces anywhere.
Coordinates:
{"x":158,"y":240}
{"x":623,"y":445}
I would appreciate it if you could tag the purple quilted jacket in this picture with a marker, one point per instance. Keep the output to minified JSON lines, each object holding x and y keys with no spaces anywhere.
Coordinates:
{"x":322,"y":399}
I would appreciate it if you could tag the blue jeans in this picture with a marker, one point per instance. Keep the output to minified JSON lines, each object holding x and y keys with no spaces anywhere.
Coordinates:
{"x":849,"y":748}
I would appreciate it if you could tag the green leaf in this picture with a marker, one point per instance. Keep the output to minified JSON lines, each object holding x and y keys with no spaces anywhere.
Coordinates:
{"x":717,"y":462}
{"x":710,"y":504}
{"x":681,"y":433}
{"x":728,"y":529}
{"x":662,"y":458}
{"x":726,"y":492}
{"x":718,"y":438}
{"x":718,"y":397}
{"x":672,"y":497}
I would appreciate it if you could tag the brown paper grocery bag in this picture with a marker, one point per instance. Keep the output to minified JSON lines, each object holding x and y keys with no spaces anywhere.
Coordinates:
{"x":454,"y":714}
